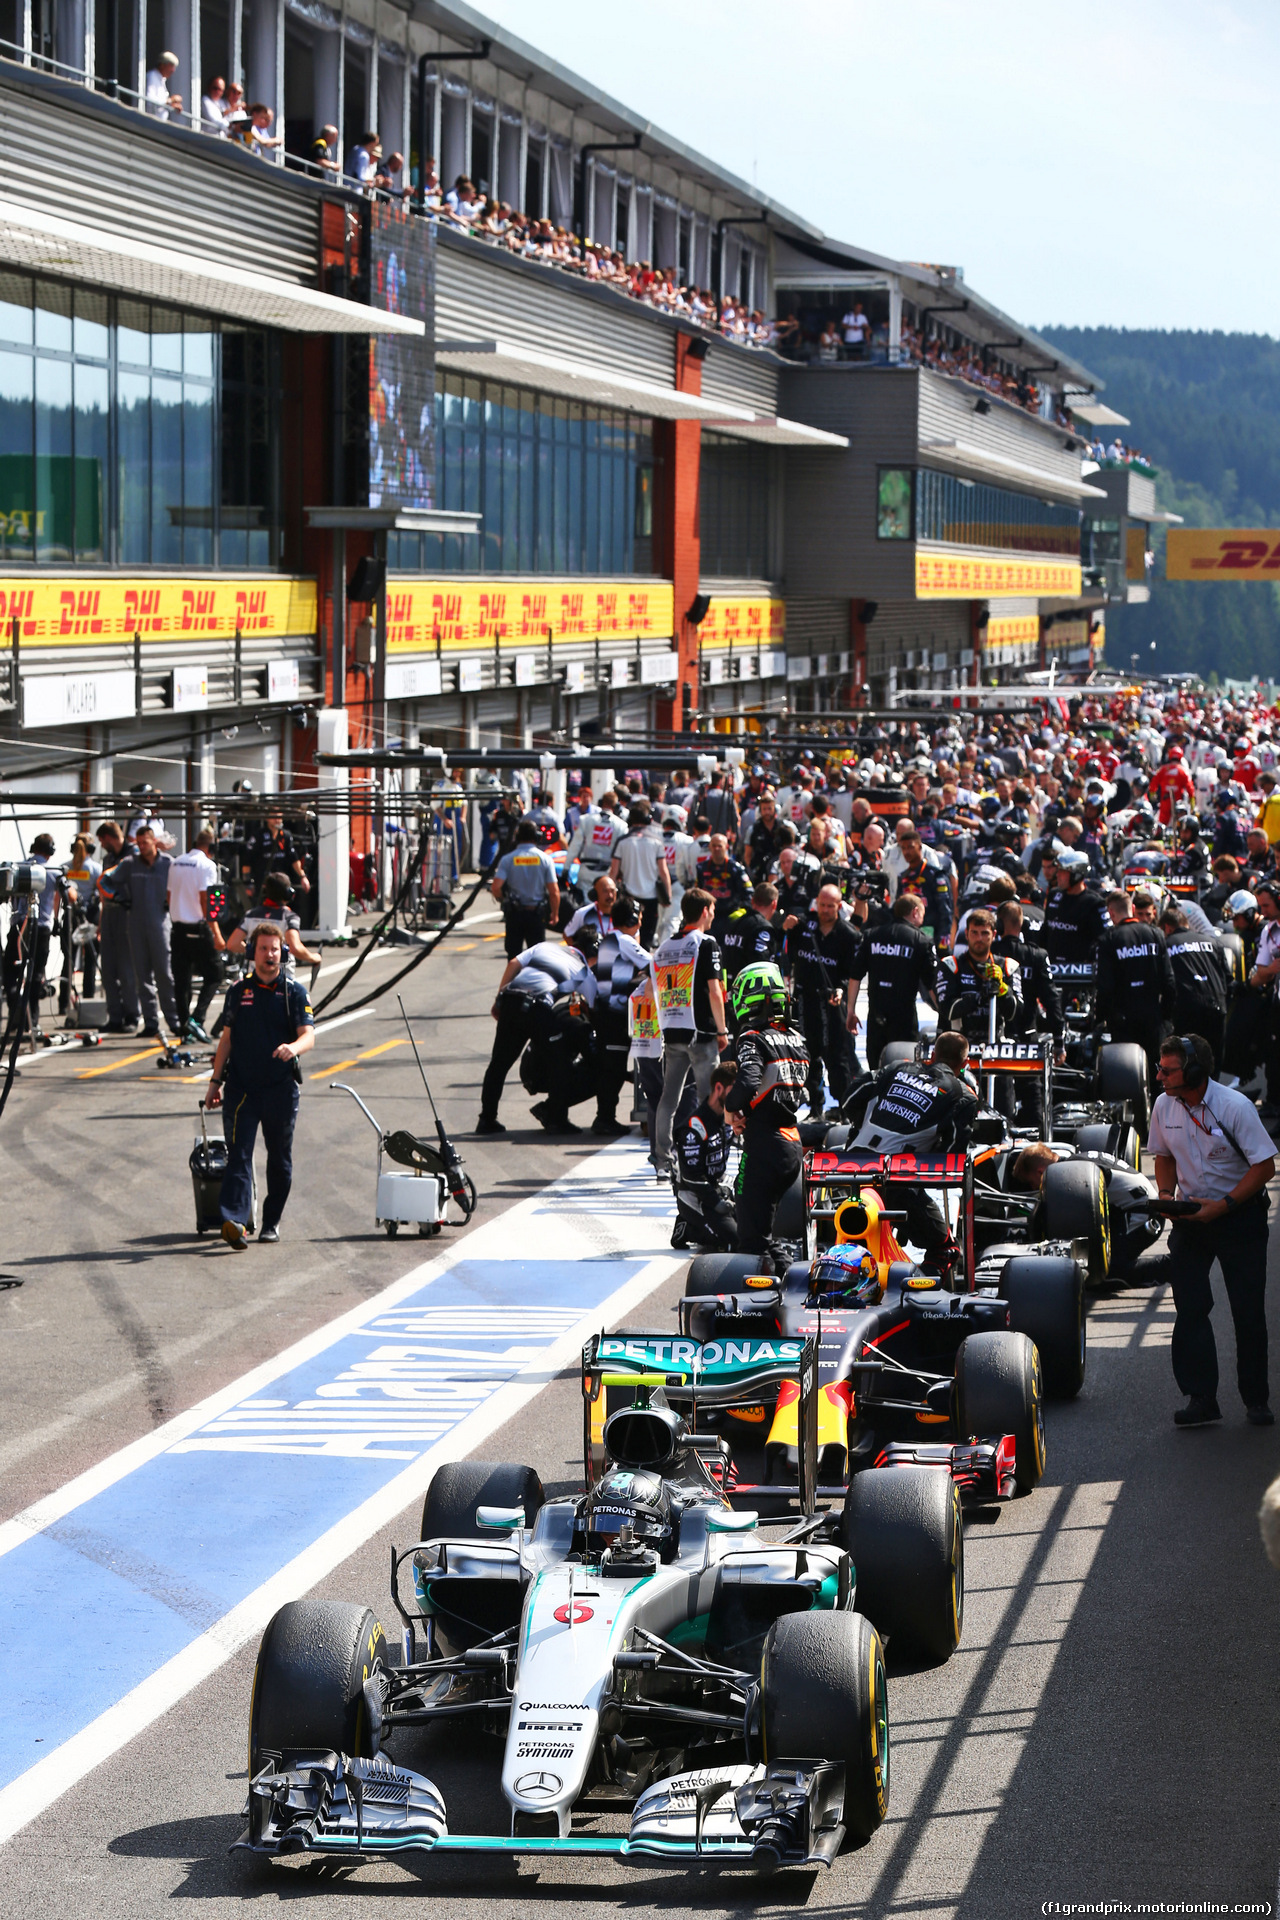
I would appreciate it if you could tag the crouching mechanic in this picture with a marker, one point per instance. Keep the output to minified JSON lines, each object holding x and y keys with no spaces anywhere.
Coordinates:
{"x":918,"y":1108}
{"x":267,"y":1024}
{"x":704,"y":1210}
{"x":765,"y":1099}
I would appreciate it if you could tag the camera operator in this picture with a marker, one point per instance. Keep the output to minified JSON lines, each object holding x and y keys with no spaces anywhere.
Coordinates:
{"x":267,"y":1023}
{"x":899,"y":966}
{"x":29,"y":938}
{"x":526,"y":888}
{"x":1210,"y":1144}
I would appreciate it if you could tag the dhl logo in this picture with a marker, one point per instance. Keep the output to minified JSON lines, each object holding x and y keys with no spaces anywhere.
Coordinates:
{"x":16,"y":603}
{"x":252,"y":615}
{"x":199,"y":610}
{"x":78,"y":612}
{"x":1240,"y":556}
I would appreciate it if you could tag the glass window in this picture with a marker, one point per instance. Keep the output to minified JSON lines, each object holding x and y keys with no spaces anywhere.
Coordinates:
{"x":166,"y":470}
{"x":733,"y":507}
{"x":970,"y":513}
{"x":893,"y":503}
{"x":563,"y":487}
{"x":55,"y":511}
{"x":93,"y":460}
{"x":16,"y":316}
{"x":90,"y":331}
{"x":133,"y":456}
{"x":53,"y":316}
{"x":17,"y":392}
{"x":104,"y":461}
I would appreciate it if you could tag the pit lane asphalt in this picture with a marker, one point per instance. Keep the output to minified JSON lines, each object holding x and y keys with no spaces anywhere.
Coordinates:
{"x":1107,"y":1730}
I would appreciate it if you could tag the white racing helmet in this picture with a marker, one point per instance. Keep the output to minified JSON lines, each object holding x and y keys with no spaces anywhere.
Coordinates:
{"x":1242,"y":901}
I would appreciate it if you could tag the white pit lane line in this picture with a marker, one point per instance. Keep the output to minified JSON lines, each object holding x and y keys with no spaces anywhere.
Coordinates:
{"x":603,"y":1224}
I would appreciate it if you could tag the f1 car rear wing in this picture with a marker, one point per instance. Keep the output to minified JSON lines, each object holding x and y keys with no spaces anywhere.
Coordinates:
{"x":622,"y":1369}
{"x":849,"y":1168}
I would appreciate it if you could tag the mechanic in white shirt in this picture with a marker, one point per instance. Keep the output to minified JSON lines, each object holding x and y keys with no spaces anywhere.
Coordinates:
{"x":1211,"y":1147}
{"x":195,"y":940}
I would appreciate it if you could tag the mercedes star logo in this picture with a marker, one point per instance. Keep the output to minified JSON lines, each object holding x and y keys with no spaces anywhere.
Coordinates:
{"x":539,"y":1786}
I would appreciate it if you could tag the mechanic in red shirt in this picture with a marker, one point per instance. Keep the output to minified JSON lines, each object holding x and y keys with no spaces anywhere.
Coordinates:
{"x":1170,"y":784}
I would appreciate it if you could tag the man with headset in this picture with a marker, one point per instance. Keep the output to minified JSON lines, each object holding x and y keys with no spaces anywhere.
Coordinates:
{"x":1210,"y":1144}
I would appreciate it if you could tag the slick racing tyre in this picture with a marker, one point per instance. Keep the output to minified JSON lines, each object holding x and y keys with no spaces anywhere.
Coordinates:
{"x":458,"y":1490}
{"x":722,"y":1272}
{"x":999,"y":1390}
{"x":1111,"y":1136}
{"x":1122,"y":1076}
{"x":903,"y":1532}
{"x":308,"y":1684}
{"x":824,"y":1698}
{"x":897,"y":1053}
{"x":1074,"y":1206}
{"x":1046,"y":1302}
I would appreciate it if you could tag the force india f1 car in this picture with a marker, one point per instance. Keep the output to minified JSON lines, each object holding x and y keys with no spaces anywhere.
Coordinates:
{"x":643,"y":1650}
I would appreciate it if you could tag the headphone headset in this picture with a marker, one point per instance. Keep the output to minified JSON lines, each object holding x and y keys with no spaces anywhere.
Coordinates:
{"x":1194,"y":1071}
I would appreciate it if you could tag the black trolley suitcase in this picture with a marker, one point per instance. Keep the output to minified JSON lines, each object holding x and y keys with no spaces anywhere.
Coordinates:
{"x":208,"y":1164}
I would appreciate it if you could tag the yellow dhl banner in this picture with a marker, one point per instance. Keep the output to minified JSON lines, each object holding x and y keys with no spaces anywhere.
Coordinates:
{"x":744,"y":623}
{"x":74,"y":611}
{"x":1012,"y":630}
{"x":520,"y":613}
{"x":1222,"y":553}
{"x":946,"y":576}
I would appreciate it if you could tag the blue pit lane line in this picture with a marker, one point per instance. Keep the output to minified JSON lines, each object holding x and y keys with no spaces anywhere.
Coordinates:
{"x":154,"y":1561}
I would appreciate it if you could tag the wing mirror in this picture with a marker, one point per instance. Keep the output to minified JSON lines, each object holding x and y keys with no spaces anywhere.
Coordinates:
{"x":500,"y":1519}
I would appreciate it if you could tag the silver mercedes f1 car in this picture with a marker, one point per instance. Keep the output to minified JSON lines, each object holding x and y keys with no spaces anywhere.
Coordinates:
{"x":670,"y":1681}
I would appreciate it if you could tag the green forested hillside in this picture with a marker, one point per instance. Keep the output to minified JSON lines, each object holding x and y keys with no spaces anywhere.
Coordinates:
{"x":1205,"y":407}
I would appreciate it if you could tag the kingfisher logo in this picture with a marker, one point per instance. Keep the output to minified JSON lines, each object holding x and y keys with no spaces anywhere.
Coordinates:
{"x":574,"y":1614}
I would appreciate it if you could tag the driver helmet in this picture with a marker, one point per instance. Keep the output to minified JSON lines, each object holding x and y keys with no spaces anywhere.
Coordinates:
{"x":850,"y":1273}
{"x":626,"y":1497}
{"x":1241,"y":901}
{"x":1072,"y":861}
{"x":759,"y":994}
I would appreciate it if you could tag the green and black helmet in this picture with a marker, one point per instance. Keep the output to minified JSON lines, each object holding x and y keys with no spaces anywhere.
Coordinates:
{"x":759,"y":995}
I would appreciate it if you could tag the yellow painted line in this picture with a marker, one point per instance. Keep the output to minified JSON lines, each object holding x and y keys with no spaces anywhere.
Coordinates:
{"x":465,"y":946}
{"x":490,"y":936}
{"x":90,"y":1073}
{"x":342,"y":1065}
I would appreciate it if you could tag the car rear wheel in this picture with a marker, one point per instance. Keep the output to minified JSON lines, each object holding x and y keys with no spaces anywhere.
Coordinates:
{"x":308,"y":1697}
{"x":1046,"y":1302}
{"x":999,"y":1390}
{"x":1122,"y":1076}
{"x":824,"y":1698}
{"x":1115,"y":1137}
{"x":903,"y":1532}
{"x":1074,"y":1207}
{"x":458,"y":1490}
